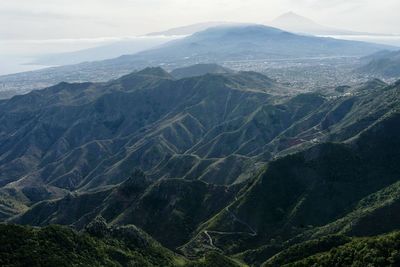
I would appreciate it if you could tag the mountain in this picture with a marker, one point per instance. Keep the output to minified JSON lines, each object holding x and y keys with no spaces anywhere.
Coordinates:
{"x":234,"y":163}
{"x":199,"y":70}
{"x":245,"y":43}
{"x":293,"y":22}
{"x":251,"y":42}
{"x":113,"y":50}
{"x":385,"y":64}
{"x":145,"y":119}
{"x":84,"y":136}
{"x":328,"y":189}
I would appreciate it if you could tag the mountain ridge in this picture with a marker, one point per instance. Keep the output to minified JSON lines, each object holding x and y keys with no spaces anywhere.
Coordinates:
{"x":227,"y":163}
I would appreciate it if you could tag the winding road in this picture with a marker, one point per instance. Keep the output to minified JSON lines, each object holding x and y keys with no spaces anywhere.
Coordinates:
{"x":235,"y":218}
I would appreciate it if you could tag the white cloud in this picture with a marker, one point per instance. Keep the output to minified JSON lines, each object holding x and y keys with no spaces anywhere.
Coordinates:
{"x":46,"y":19}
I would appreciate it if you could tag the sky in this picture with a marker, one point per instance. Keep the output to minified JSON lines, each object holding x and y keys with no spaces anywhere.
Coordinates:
{"x":75,"y":19}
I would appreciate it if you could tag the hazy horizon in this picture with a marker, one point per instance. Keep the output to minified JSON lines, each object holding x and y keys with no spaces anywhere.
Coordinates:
{"x":44,"y":26}
{"x":59,"y":19}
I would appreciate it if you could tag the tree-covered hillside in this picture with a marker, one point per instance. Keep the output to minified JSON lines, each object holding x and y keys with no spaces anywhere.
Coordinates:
{"x":97,"y":246}
{"x":380,"y":251}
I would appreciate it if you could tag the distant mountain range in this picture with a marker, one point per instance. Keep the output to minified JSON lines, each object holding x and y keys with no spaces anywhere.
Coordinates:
{"x":290,"y":21}
{"x":124,"y":47}
{"x":115,"y":49}
{"x":232,"y":164}
{"x":251,"y":42}
{"x":215,"y":45}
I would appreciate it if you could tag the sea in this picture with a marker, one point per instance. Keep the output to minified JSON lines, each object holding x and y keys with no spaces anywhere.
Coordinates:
{"x":392,"y":40}
{"x":17,"y":55}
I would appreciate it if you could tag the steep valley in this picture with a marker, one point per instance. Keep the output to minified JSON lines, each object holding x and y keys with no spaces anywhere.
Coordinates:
{"x":231,"y":163}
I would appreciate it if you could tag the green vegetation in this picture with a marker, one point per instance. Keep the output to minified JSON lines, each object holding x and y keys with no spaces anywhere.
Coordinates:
{"x":213,"y":259}
{"x":381,"y":251}
{"x":99,"y":246}
{"x":61,"y":246}
{"x":328,"y":189}
{"x":11,"y":205}
{"x":306,"y":249}
{"x":224,"y":169}
{"x":173,"y":206}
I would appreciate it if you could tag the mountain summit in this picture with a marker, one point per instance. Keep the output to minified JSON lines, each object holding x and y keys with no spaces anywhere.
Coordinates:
{"x":293,"y":22}
{"x":250,"y":42}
